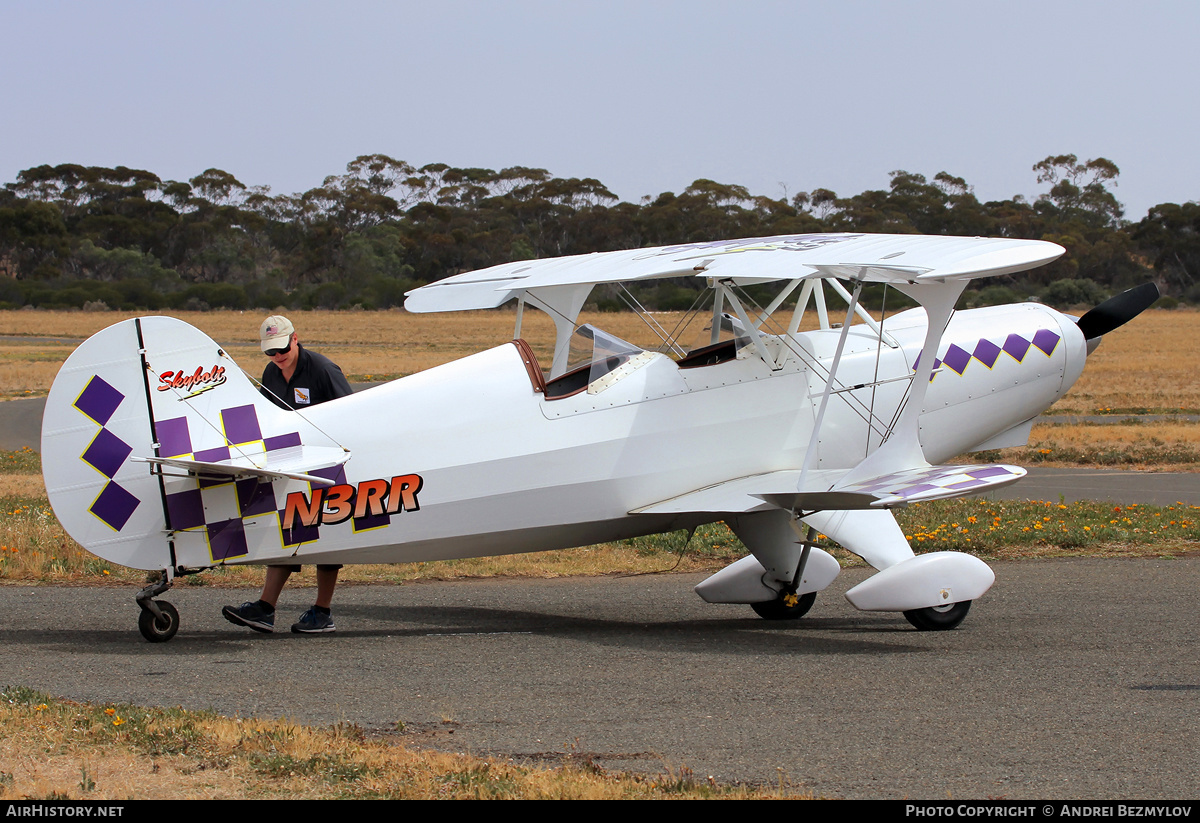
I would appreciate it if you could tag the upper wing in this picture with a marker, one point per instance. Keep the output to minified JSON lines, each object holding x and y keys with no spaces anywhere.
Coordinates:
{"x":874,"y":257}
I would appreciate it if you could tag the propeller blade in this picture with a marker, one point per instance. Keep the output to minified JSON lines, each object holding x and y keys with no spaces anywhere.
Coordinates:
{"x":1117,"y":311}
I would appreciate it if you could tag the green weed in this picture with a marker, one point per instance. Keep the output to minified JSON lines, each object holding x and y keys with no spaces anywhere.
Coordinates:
{"x":22,"y":461}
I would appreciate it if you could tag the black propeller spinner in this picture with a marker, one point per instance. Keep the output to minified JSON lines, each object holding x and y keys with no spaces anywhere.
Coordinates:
{"x":1117,"y":311}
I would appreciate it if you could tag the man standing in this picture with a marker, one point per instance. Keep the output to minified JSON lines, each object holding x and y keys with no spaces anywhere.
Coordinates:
{"x":294,"y":379}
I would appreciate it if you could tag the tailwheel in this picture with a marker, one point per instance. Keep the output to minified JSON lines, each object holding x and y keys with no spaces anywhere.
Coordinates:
{"x":786,"y":607}
{"x":939,"y":618}
{"x":161,"y":627}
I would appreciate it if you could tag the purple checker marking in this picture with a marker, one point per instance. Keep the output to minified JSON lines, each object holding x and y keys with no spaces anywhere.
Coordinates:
{"x":299,"y":534}
{"x":875,"y":486}
{"x":1046,"y":340}
{"x":933,"y":373}
{"x":99,"y":400}
{"x":986,"y":352}
{"x":106,"y":453}
{"x":937,"y":364}
{"x":989,"y":471}
{"x":372,"y":521}
{"x":909,"y":491}
{"x":254,"y":497}
{"x":957,"y":358}
{"x":241,"y":424}
{"x":1016,"y":346}
{"x":114,"y":506}
{"x":174,"y":438}
{"x":282,"y":441}
{"x":923,"y":474}
{"x":213,"y":455}
{"x":227,"y":539}
{"x":335,"y":473}
{"x":966,"y":484}
{"x":186,"y":509}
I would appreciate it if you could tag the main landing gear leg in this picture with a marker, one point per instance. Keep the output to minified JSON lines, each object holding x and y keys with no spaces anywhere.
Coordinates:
{"x":159,"y":620}
{"x":789,"y":605}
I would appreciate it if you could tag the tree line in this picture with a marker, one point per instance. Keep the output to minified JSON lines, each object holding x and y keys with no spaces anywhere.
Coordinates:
{"x":121,"y":238}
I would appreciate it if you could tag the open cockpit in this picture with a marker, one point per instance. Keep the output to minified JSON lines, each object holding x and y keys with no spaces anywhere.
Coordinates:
{"x":724,"y":323}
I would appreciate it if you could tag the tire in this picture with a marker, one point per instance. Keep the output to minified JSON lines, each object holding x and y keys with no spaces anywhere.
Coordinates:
{"x":778,"y":610}
{"x":939,"y":618}
{"x":161,"y":629}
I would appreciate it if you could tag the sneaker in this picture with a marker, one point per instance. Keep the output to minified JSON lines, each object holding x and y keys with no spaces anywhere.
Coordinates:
{"x":313,"y":622}
{"x":253,"y":615}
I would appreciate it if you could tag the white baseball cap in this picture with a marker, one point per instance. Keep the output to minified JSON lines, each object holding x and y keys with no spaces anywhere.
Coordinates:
{"x":275,"y":333}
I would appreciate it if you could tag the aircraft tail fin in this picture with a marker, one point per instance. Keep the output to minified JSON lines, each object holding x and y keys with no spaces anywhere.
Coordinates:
{"x":158,"y":451}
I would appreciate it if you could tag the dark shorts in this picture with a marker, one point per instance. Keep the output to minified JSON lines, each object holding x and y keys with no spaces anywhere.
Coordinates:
{"x":324,"y":567}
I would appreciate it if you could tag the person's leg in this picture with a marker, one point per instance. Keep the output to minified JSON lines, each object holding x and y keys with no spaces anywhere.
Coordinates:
{"x":260,"y":614}
{"x":277,"y":576}
{"x":318,"y":619}
{"x":326,"y":582}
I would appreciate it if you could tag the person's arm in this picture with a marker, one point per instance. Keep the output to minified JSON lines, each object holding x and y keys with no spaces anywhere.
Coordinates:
{"x":339,"y":386}
{"x":268,"y":391}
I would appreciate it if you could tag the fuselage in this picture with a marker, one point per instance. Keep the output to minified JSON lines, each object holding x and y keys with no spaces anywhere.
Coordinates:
{"x":491,"y":465}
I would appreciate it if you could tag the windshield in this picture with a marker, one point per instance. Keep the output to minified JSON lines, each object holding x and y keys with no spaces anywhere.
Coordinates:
{"x":599,"y":349}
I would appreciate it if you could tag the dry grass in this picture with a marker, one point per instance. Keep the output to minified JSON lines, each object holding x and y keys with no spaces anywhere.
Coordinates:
{"x":1151,"y":446}
{"x":22,"y":485}
{"x":60,"y":750}
{"x":1147,"y":364}
{"x":1141,"y":367}
{"x":375,"y":345}
{"x":1118,"y":433}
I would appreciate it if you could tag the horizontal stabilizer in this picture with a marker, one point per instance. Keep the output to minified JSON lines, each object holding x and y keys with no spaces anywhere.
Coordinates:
{"x":294,"y":462}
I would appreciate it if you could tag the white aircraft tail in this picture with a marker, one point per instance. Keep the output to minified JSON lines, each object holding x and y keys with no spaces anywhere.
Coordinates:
{"x":143,"y":418}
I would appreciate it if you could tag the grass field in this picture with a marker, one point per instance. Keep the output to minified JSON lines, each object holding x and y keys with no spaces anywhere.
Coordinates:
{"x":60,"y":750}
{"x":1145,"y":367}
{"x":1148,"y":365}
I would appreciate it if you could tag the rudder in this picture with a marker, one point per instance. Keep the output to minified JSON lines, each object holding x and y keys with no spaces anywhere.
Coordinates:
{"x":149,"y":387}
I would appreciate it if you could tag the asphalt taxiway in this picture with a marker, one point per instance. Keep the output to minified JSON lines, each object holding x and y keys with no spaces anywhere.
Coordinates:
{"x":1069,"y":679}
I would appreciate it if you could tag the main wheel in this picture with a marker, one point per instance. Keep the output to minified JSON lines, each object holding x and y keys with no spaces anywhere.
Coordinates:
{"x":939,"y":618}
{"x":159,"y":629}
{"x":778,"y":609}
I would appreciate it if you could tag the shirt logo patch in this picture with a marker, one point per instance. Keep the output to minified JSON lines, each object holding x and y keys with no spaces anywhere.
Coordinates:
{"x":303,"y":397}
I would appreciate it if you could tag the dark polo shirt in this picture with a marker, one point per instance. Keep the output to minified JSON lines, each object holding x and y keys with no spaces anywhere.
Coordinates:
{"x":317,"y":379}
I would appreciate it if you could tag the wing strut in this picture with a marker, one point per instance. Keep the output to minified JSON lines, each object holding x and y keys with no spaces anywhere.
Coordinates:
{"x":902,"y":450}
{"x":811,"y":453}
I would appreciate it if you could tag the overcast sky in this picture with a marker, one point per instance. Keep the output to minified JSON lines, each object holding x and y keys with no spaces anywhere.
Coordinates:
{"x":645,"y":96}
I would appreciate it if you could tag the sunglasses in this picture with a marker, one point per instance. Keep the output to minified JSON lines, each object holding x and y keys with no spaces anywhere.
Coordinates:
{"x":277,"y":352}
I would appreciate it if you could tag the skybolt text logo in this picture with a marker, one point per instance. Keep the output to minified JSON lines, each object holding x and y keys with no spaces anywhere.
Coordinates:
{"x":200,"y":378}
{"x":337,"y":504}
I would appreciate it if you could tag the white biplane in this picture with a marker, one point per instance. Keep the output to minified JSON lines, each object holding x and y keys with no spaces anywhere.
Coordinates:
{"x":160,"y":454}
